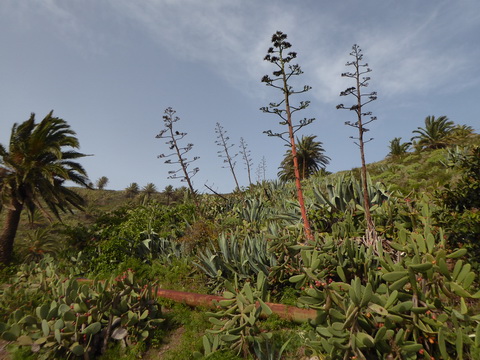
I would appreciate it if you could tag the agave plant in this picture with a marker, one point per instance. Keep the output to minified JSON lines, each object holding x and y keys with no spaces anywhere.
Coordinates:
{"x":244,"y":259}
{"x":254,"y":211}
{"x":346,"y":194}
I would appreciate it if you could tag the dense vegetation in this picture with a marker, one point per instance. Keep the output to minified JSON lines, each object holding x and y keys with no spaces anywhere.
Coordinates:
{"x":412,"y":298}
{"x":375,"y":263}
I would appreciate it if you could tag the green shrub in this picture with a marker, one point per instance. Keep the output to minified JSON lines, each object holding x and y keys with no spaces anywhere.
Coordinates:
{"x":402,"y":303}
{"x":459,"y":202}
{"x":72,"y":319}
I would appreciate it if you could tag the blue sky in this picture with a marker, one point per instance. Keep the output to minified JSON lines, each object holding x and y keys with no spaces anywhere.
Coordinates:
{"x":111,"y":67}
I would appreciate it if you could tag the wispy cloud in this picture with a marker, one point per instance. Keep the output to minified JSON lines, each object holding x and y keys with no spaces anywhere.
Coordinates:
{"x":228,"y":36}
{"x":413,"y":52}
{"x":69,"y":22}
{"x":407,"y":55}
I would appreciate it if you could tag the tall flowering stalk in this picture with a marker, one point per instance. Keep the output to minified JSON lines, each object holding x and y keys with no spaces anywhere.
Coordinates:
{"x":280,"y":56}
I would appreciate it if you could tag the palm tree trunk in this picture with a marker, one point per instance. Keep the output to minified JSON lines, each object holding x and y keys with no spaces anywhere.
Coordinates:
{"x":9,"y":231}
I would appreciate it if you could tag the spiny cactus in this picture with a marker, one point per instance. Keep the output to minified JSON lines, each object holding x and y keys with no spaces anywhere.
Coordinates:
{"x":408,"y":302}
{"x":83,"y":317}
{"x":235,"y":324}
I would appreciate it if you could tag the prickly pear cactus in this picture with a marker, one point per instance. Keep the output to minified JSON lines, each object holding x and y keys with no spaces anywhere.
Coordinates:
{"x":409,"y":303}
{"x":235,"y":324}
{"x":84,"y":317}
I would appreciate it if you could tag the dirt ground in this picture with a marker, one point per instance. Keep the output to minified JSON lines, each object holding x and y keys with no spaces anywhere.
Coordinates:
{"x":3,"y":351}
{"x":172,"y":342}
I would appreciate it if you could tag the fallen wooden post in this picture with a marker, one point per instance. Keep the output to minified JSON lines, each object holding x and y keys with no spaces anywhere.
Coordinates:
{"x":287,"y":312}
{"x":291,"y":313}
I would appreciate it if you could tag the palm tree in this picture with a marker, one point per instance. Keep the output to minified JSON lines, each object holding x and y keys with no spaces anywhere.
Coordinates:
{"x":310,"y":159}
{"x":168,"y":192}
{"x":132,"y":190}
{"x":397,"y":148}
{"x":102,"y":182}
{"x":41,"y":242}
{"x":435,"y":134}
{"x":148,"y":190}
{"x":32,"y":174}
{"x":461,"y":132}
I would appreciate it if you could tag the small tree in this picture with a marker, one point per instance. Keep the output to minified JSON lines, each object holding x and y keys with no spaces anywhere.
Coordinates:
{"x":247,"y":159}
{"x":311,"y":159}
{"x":397,"y":148}
{"x":281,"y":58}
{"x":168,"y":192}
{"x":436,"y":134}
{"x":224,"y":154}
{"x":148,"y":190}
{"x":102,"y":182}
{"x":360,"y":101}
{"x":132,"y":190}
{"x":39,"y":159}
{"x":179,"y":151}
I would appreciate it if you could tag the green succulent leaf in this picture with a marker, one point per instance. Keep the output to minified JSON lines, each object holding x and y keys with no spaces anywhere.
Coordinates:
{"x":394,"y":275}
{"x":45,"y":328}
{"x":9,"y":336}
{"x":77,"y":349}
{"x":457,"y":254}
{"x":24,"y":340}
{"x":265,"y":308}
{"x":380,"y":310}
{"x":119,"y":333}
{"x":92,"y":329}
{"x":297,"y":278}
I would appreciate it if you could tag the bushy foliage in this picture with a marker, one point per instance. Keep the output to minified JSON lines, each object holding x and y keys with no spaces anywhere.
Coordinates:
{"x":414,"y":300}
{"x":397,"y":148}
{"x":66,"y":318}
{"x":460,"y":205}
{"x":144,"y":232}
{"x":404,"y":303}
{"x":465,"y":194}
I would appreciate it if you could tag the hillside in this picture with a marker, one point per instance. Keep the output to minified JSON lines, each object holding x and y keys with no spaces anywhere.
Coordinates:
{"x":409,"y":295}
{"x":410,"y":175}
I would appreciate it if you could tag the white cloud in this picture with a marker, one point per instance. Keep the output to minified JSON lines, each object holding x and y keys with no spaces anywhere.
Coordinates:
{"x":409,"y":52}
{"x":406,"y":56}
